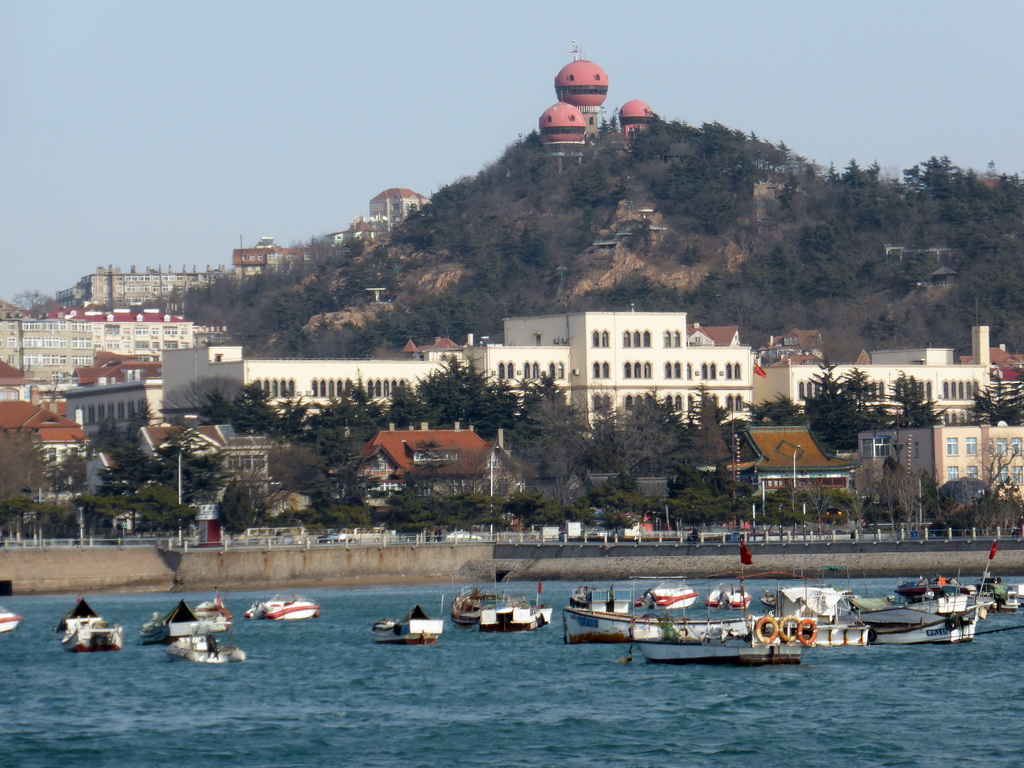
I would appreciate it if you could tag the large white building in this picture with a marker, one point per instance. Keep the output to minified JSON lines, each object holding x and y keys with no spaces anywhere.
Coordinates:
{"x":602,"y":359}
{"x":951,"y":384}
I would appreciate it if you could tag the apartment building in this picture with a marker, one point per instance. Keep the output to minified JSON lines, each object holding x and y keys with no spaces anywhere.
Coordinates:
{"x":112,"y":287}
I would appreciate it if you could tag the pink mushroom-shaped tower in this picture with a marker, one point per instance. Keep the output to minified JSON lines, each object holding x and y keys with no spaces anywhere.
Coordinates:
{"x":562,"y":129}
{"x":634,"y":116}
{"x":584,"y":85}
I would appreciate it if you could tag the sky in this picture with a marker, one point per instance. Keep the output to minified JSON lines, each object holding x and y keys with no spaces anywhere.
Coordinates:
{"x":137,"y":132}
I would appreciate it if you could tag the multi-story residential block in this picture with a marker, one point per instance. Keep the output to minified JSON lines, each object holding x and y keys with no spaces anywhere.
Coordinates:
{"x":952,"y":385}
{"x":393,"y":206}
{"x":111,"y":287}
{"x":264,"y":255}
{"x":118,"y":392}
{"x":48,"y":348}
{"x":989,"y":454}
{"x":144,"y":334}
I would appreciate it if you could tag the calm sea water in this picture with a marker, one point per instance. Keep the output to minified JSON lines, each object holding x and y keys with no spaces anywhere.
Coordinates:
{"x":321,"y":693}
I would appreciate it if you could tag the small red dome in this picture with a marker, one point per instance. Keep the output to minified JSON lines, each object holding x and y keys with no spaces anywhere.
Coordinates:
{"x":581,"y":83}
{"x":562,"y":123}
{"x":635,"y":108}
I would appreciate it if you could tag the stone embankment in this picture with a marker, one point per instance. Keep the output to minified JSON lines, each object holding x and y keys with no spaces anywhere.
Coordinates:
{"x":149,"y":569}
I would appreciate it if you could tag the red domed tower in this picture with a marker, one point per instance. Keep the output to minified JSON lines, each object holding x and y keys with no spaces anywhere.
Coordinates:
{"x":584,"y":85}
{"x":562,"y":129}
{"x":635,"y":115}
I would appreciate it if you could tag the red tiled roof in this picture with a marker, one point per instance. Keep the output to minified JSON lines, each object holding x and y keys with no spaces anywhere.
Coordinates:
{"x":401,"y":445}
{"x":402,"y":192}
{"x":722,"y":335}
{"x":116,"y":370}
{"x":19,"y":416}
{"x":114,"y":316}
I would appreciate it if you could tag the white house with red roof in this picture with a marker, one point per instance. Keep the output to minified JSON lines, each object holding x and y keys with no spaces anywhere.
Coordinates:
{"x":55,"y":434}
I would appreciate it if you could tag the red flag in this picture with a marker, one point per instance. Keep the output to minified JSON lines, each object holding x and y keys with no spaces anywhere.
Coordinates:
{"x":758,"y":370}
{"x":992,"y":554}
{"x":540,"y":587}
{"x":745,"y":557}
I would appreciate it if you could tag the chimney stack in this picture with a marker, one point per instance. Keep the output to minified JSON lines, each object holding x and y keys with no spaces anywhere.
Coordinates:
{"x":980,"y":348}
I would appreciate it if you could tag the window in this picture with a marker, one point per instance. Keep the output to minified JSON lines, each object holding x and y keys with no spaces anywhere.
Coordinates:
{"x":604,"y":338}
{"x":972,"y":472}
{"x":501,"y":371}
{"x":875,"y":447}
{"x":689,"y":371}
{"x":637,"y":371}
{"x":636,"y":338}
{"x":952,"y":446}
{"x":1015,"y":446}
{"x":647,"y":338}
{"x":627,"y":371}
{"x":1000,"y":446}
{"x":1004,"y":475}
{"x":627,"y":339}
{"x":597,"y":370}
{"x":648,"y":371}
{"x":678,"y":369}
{"x":714,"y":371}
{"x":606,"y":371}
{"x":668,"y":339}
{"x":970,"y":446}
{"x":1018,"y":475}
{"x":728,"y":370}
{"x":668,"y":370}
{"x":561,"y":370}
{"x":595,"y":339}
{"x":677,"y":340}
{"x":952,"y":473}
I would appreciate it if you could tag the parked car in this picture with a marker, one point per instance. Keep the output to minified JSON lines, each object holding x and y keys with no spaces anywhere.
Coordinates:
{"x":463,"y":536}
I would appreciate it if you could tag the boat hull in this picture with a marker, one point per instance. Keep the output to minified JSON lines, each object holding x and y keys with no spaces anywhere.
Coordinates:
{"x":196,"y":649}
{"x":8,"y":621}
{"x":91,"y":640}
{"x":582,"y":626}
{"x":725,"y":651}
{"x":514,"y":618}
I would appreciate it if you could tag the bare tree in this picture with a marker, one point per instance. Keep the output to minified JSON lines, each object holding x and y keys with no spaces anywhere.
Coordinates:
{"x":22,"y":466}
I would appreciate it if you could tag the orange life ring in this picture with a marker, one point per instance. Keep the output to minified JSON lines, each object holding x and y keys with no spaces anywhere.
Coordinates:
{"x":788,"y":627}
{"x":806,"y":632}
{"x":763,"y":623}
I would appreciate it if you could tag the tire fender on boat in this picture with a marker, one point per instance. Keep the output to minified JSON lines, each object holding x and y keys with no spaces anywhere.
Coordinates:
{"x":788,"y":628}
{"x":766,"y":623}
{"x":806,"y":632}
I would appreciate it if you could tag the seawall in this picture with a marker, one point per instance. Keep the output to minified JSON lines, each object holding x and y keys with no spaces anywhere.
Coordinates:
{"x":146,"y":569}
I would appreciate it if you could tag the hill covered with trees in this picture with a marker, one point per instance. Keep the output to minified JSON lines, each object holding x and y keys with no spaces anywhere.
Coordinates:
{"x":721,"y":224}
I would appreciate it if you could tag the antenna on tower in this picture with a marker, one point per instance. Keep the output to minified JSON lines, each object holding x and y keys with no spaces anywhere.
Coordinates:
{"x":575,"y":50}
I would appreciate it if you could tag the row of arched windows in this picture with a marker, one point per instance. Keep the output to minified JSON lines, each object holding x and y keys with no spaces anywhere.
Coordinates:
{"x":531,"y":370}
{"x":599,"y":339}
{"x":637,"y":371}
{"x":277,"y":387}
{"x":952,"y":418}
{"x":959,"y":390}
{"x":328,"y":388}
{"x":603,"y":403}
{"x":636,"y":339}
{"x":673,"y":339}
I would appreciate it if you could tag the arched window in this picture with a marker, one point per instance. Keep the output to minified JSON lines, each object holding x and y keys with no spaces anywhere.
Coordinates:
{"x":647,"y":338}
{"x":728,"y":370}
{"x":648,"y":371}
{"x":323,"y":388}
{"x":679,"y":403}
{"x":561,"y":370}
{"x":330,"y":388}
{"x":928,"y":390}
{"x":736,"y":371}
{"x":536,"y":371}
{"x":387,"y":388}
{"x":501,"y":371}
{"x":678,"y":370}
{"x":689,"y":403}
{"x":349,"y":386}
{"x":677,"y":339}
{"x":689,"y":372}
{"x":595,"y":339}
{"x":738,"y":402}
{"x":668,"y":339}
{"x":960,"y":390}
{"x":704,"y":370}
{"x":802,"y":393}
{"x":273,"y":389}
{"x":629,"y":402}
{"x":606,"y":370}
{"x":728,"y":403}
{"x":714,"y":372}
{"x":668,"y":370}
{"x":636,"y":338}
{"x":637,"y":370}
{"x":604,"y":338}
{"x":551,"y":370}
{"x":597,"y":403}
{"x":627,"y":340}
{"x":378,"y":390}
{"x":945,"y":390}
{"x":627,"y":371}
{"x":597,"y":370}
{"x":369,"y":387}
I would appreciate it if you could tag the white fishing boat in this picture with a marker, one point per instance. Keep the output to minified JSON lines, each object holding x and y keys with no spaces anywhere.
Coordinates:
{"x":836,"y":624}
{"x":668,"y":595}
{"x":951,"y":619}
{"x":180,"y":621}
{"x":284,"y":608}
{"x":215,"y":613}
{"x":728,"y":597}
{"x":415,"y":629}
{"x":755,"y":642}
{"x":514,"y":617}
{"x":202,"y":647}
{"x":8,"y":620}
{"x":85,"y":632}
